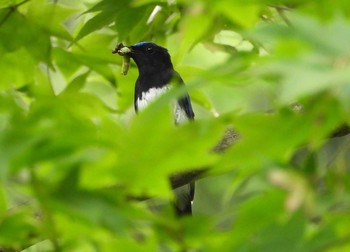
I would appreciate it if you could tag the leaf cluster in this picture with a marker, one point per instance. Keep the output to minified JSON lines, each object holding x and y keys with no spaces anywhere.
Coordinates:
{"x":269,"y":81}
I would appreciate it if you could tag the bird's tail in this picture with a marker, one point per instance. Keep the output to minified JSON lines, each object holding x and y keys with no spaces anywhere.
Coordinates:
{"x":183,"y":199}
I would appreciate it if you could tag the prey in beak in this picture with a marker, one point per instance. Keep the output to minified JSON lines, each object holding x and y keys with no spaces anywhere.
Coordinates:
{"x":123,"y":51}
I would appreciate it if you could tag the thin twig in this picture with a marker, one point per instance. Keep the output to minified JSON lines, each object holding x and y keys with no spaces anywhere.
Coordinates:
{"x":12,"y":8}
{"x":281,"y":12}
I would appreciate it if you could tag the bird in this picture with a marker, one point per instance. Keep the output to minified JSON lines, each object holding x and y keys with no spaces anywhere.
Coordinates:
{"x":156,"y":76}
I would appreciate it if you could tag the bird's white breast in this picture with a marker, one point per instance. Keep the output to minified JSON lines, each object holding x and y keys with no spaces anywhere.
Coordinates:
{"x":154,"y":93}
{"x":180,"y":115}
{"x":149,"y":96}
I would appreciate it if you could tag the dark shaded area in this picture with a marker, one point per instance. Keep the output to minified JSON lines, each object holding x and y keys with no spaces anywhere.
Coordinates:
{"x":342,"y":130}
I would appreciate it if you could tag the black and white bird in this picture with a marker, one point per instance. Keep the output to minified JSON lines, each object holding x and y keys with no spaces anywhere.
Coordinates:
{"x":156,"y":75}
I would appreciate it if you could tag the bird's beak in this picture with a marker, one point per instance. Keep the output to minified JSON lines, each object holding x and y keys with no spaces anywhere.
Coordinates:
{"x":122,"y":50}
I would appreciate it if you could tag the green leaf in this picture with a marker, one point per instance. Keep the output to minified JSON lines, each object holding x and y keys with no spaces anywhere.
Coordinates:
{"x":21,"y":32}
{"x":244,"y":14}
{"x":132,"y":19}
{"x":3,"y":203}
{"x":104,"y":18}
{"x":18,"y":67}
{"x":50,"y":17}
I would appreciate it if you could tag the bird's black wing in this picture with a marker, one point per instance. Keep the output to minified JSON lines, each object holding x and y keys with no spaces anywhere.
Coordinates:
{"x":185,"y":104}
{"x":137,"y":92}
{"x":184,"y":101}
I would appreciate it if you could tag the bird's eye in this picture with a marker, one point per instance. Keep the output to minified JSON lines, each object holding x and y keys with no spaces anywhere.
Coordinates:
{"x":149,"y":50}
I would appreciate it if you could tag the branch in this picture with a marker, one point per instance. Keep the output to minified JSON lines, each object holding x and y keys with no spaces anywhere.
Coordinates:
{"x":230,"y":138}
{"x":342,"y":130}
{"x":184,"y":178}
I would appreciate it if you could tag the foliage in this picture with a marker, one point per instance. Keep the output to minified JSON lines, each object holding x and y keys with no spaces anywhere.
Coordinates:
{"x":74,"y":157}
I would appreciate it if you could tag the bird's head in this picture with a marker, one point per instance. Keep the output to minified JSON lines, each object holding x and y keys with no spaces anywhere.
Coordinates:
{"x":149,"y":56}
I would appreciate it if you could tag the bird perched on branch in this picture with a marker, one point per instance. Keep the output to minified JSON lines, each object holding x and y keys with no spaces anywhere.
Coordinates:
{"x":156,"y":75}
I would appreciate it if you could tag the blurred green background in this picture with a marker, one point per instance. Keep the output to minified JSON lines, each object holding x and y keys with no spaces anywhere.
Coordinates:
{"x":72,"y":151}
